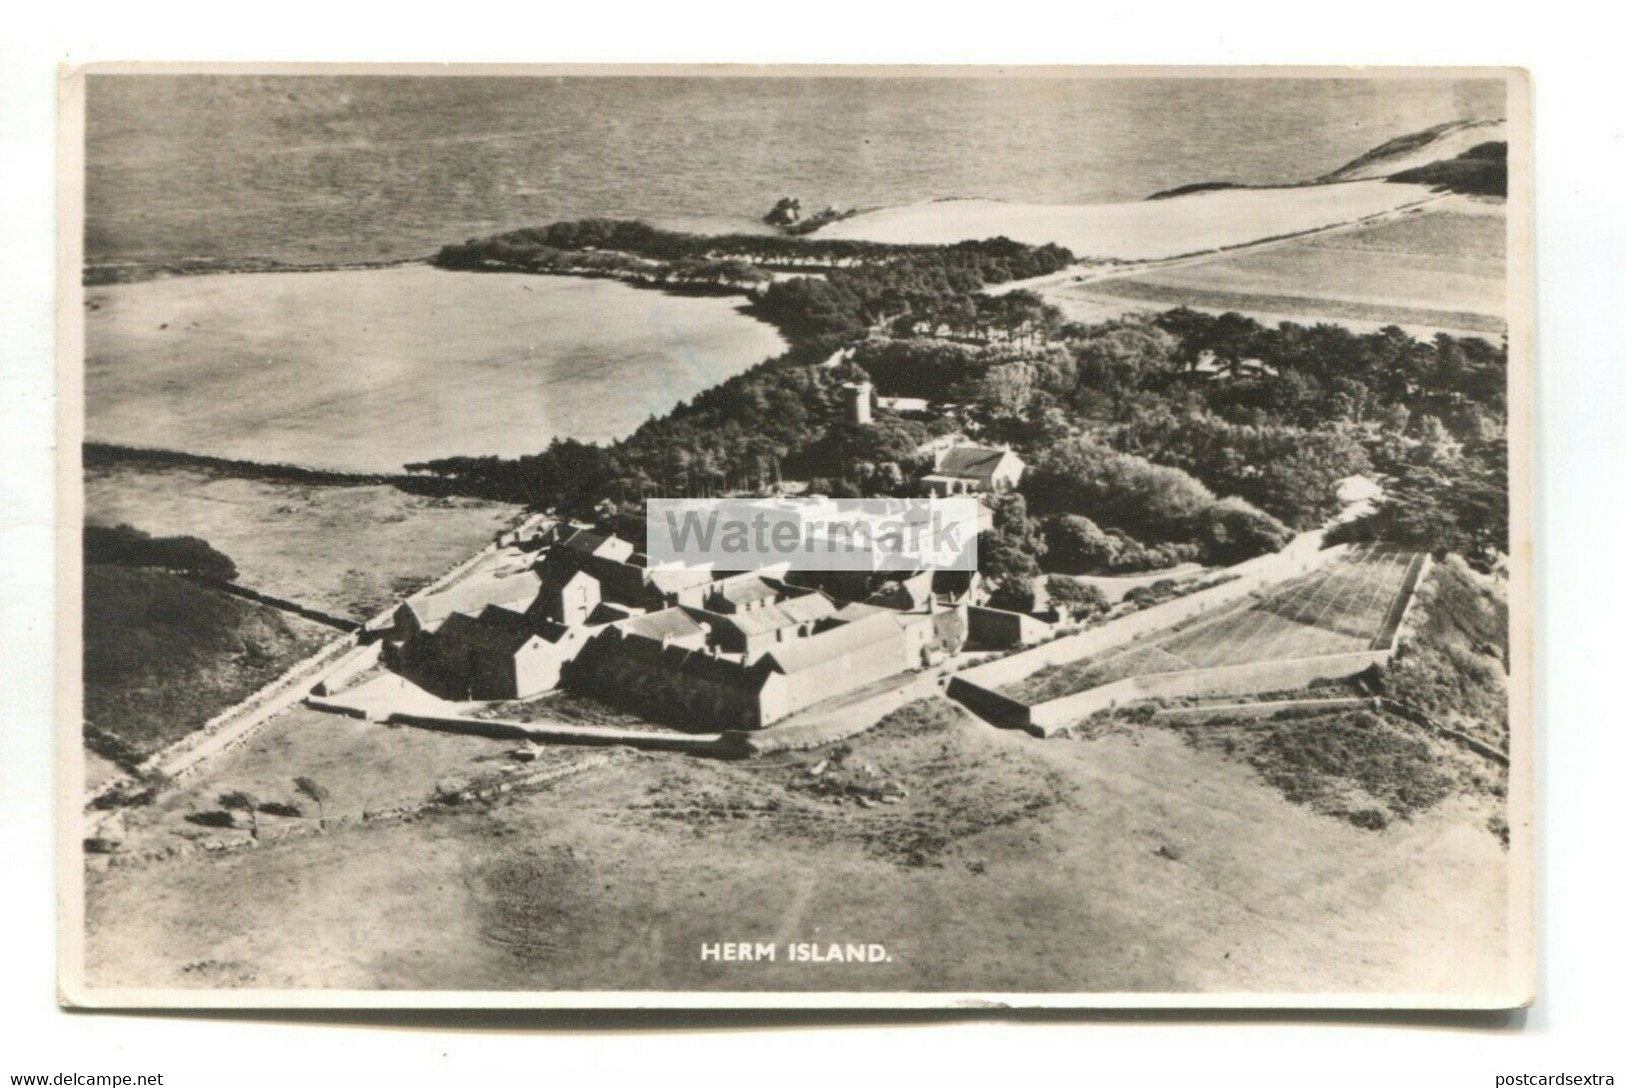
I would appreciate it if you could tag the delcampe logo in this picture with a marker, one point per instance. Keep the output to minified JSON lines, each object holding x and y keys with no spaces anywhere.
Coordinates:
{"x":815,"y":533}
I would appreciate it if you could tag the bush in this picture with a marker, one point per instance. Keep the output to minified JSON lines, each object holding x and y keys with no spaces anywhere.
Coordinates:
{"x":125,"y":546}
{"x":1372,"y":819}
{"x":1233,"y":530}
{"x":1101,"y":487}
{"x":1078,"y":544}
{"x":1078,"y":599}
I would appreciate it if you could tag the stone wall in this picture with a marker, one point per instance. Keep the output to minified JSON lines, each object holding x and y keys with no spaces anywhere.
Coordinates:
{"x":1301,"y":556}
{"x":1044,"y":718}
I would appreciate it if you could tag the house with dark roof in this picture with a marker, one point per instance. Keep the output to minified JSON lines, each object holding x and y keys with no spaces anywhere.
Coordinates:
{"x":593,"y":542}
{"x":568,"y":597}
{"x":966,"y":469}
{"x":497,"y":654}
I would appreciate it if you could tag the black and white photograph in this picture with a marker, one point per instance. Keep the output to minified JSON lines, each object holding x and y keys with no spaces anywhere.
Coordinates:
{"x":481,"y":580}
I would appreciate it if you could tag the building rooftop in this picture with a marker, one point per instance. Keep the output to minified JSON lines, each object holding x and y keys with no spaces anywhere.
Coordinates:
{"x":746,"y":590}
{"x":516,"y":590}
{"x":977,"y":462}
{"x":495,"y":629}
{"x":774,"y":617}
{"x":669,"y":623}
{"x":805,"y":653}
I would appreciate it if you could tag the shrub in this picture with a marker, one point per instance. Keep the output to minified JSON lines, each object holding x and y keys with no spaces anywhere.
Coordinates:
{"x":125,"y":546}
{"x":1078,"y":599}
{"x":1372,"y":819}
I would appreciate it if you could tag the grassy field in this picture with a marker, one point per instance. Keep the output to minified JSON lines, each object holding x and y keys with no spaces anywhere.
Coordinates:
{"x":1370,"y":768}
{"x":369,"y":370}
{"x":1338,"y":609}
{"x":1000,"y":863}
{"x":348,"y":550}
{"x":1138,"y":231}
{"x":366,"y":766}
{"x":163,"y":655}
{"x":1442,"y":267}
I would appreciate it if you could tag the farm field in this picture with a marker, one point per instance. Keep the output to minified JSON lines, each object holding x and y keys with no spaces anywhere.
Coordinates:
{"x":370,"y":370}
{"x":1009,"y":864}
{"x":1341,"y":608}
{"x":1439,"y":268}
{"x":347,"y":550}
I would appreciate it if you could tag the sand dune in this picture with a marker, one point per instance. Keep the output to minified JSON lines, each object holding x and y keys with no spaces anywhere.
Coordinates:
{"x":1446,"y":142}
{"x":1142,"y":230}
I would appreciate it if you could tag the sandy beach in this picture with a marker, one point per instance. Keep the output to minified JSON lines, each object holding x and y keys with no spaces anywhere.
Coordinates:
{"x":1140,"y":230}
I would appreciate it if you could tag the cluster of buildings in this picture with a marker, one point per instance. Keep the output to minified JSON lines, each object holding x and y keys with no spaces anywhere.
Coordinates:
{"x":578,"y":605}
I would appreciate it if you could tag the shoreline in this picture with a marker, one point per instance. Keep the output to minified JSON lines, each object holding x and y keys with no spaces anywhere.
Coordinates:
{"x":420,"y":350}
{"x":1137,"y":231}
{"x":117,"y":273}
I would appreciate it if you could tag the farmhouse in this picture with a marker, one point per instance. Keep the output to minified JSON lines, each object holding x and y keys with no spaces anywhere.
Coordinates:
{"x":515,"y":590}
{"x":705,"y":670}
{"x":752,"y":632}
{"x":498,"y":654}
{"x":966,"y":469}
{"x":739,"y":651}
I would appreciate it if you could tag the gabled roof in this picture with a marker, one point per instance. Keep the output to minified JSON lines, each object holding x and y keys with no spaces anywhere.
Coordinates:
{"x":905,"y":593}
{"x":974,"y":462}
{"x":556,"y":632}
{"x":517,"y":590}
{"x":494,"y":630}
{"x":668,"y":623}
{"x":805,"y":653}
{"x":858,"y":610}
{"x":773,"y":617}
{"x":719,"y":670}
{"x":595,"y":542}
{"x":670,"y":580}
{"x":746,"y":589}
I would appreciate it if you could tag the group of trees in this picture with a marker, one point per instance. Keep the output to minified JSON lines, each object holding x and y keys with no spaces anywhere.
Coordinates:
{"x":1481,"y":171}
{"x":1076,"y":543}
{"x":1151,"y":440}
{"x":934,"y":289}
{"x":124,"y":546}
{"x":1426,"y":417}
{"x":1142,"y":500}
{"x":639,"y":239}
{"x":731,"y":275}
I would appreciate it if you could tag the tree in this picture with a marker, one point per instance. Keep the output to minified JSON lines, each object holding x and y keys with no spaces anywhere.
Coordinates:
{"x":1079,"y":600}
{"x":1233,"y":530}
{"x":1077,"y":543}
{"x":318,"y":793}
{"x":125,"y":546}
{"x":1014,"y":592}
{"x":1012,"y":547}
{"x":243,"y":801}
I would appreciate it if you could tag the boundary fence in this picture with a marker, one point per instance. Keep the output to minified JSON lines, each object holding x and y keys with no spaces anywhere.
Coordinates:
{"x":976,"y":688}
